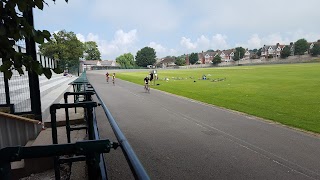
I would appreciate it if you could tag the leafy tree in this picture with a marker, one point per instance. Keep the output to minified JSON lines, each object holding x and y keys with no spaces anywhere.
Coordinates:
{"x":180,"y":61}
{"x":91,"y":51}
{"x":126,"y":61}
{"x":259,"y":52}
{"x":65,"y":47}
{"x":239,"y":53}
{"x":216,"y":59}
{"x":193,"y":58}
{"x":146,"y":56}
{"x":300,"y":47}
{"x":315,"y":51}
{"x":285,"y":52}
{"x":16,"y":25}
{"x":210,"y":50}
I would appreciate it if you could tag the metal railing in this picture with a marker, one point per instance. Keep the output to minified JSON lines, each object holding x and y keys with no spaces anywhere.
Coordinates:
{"x":90,"y":151}
{"x":135,"y":165}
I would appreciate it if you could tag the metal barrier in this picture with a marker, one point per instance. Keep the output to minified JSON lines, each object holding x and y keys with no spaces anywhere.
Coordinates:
{"x":132,"y":159}
{"x":90,"y":151}
{"x":11,"y":154}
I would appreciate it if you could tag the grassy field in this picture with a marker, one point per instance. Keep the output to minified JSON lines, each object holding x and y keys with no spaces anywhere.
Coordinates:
{"x":288,"y":94}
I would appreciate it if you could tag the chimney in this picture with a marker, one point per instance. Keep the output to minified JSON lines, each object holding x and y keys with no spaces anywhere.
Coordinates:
{"x":187,"y":60}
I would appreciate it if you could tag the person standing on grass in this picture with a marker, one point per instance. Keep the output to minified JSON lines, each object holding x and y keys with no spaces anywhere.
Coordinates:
{"x":113,"y":78}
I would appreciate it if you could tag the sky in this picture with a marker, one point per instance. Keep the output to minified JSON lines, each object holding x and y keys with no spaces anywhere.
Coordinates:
{"x":179,"y":27}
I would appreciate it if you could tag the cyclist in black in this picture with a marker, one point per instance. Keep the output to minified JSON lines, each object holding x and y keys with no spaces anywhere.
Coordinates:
{"x":146,"y":83}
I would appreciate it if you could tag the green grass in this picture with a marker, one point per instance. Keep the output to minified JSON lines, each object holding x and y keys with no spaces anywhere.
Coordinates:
{"x":288,"y":94}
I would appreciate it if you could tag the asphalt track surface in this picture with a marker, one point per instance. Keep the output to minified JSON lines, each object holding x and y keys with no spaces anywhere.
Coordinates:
{"x":179,"y":138}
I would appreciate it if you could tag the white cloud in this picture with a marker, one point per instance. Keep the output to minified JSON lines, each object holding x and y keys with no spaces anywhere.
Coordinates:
{"x":158,"y":47}
{"x":81,"y":37}
{"x":186,"y":43}
{"x":202,"y":43}
{"x":219,"y":41}
{"x":123,"y":42}
{"x":123,"y":38}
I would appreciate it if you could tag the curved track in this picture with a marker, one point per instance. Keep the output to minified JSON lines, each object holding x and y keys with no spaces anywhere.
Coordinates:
{"x":178,"y":138}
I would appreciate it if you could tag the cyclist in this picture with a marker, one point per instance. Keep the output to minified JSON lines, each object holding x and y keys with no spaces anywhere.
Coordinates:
{"x":113,"y":78}
{"x":107,"y":77}
{"x":146,"y":84}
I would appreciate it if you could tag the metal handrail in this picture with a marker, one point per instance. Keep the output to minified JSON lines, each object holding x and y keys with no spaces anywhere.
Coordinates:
{"x":132,"y":159}
{"x":102,"y":164}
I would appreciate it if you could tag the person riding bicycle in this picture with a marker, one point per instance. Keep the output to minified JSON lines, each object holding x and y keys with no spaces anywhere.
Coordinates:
{"x":146,"y":82}
{"x":113,"y":78}
{"x":107,"y":77}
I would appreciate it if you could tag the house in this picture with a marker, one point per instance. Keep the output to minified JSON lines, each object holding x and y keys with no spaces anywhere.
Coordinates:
{"x":272,"y":50}
{"x":166,"y":62}
{"x":227,"y":55}
{"x":246,"y":54}
{"x":98,"y":64}
{"x":291,"y":46}
{"x":201,"y":58}
{"x":208,"y":57}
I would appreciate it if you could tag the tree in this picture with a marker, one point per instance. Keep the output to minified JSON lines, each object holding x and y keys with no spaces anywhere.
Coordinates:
{"x":193,"y":58}
{"x":180,"y":61}
{"x":239,"y":53}
{"x":300,"y":47}
{"x":126,"y":61}
{"x":285,"y":52}
{"x":259,"y":52}
{"x":91,"y":51}
{"x":315,"y":51}
{"x":146,"y":56}
{"x":210,"y":50}
{"x":216,"y":59}
{"x":65,"y":47}
{"x":16,"y":25}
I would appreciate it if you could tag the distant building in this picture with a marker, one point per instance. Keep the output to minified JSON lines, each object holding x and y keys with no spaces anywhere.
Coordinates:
{"x":166,"y":62}
{"x":98,"y":64}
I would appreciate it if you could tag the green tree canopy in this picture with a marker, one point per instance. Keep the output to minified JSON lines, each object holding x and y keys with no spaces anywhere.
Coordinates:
{"x":126,"y":61}
{"x":239,"y":53}
{"x":65,"y":47}
{"x":259,"y":52}
{"x":146,"y":56}
{"x":315,"y":51}
{"x":91,"y":51}
{"x":285,"y":52}
{"x":193,"y":58}
{"x":15,"y":26}
{"x":216,"y":59}
{"x":300,"y":47}
{"x":180,"y":61}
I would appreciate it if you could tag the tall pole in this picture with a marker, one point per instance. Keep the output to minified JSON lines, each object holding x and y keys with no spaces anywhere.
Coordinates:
{"x":33,"y":77}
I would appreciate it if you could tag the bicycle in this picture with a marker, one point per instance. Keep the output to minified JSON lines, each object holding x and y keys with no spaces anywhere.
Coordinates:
{"x":147,"y":88}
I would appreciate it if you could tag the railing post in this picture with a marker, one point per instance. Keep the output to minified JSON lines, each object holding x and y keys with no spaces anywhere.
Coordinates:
{"x":55,"y":140}
{"x":33,"y":77}
{"x":5,"y":170}
{"x":67,"y":119}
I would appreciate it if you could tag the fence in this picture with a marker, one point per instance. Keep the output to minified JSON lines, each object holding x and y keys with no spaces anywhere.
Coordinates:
{"x":17,"y":90}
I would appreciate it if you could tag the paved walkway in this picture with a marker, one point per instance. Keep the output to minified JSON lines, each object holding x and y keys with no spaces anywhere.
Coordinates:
{"x":178,"y":138}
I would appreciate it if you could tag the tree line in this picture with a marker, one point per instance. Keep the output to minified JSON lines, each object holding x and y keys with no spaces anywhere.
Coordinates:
{"x":68,"y":49}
